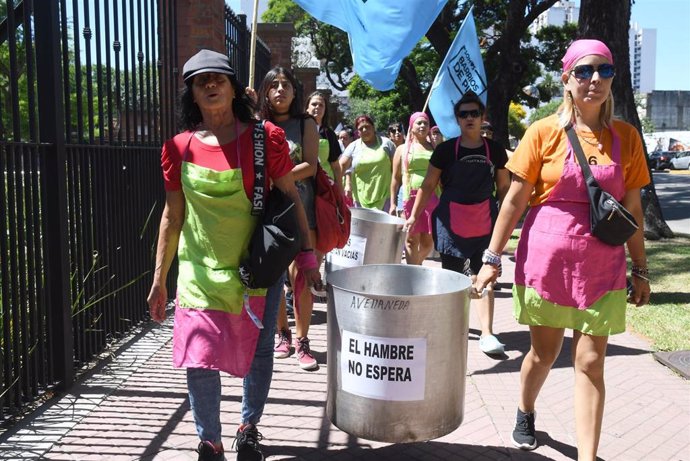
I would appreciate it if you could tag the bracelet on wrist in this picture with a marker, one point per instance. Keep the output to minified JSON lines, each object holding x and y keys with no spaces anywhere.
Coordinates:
{"x":640,"y":272}
{"x":491,"y":258}
{"x":492,"y":253}
{"x":307,"y":250}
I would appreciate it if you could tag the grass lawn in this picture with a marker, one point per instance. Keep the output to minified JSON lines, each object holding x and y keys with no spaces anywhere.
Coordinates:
{"x":665,"y":321}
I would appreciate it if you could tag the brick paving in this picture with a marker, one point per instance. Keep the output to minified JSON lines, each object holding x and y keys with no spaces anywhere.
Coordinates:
{"x":135,"y":407}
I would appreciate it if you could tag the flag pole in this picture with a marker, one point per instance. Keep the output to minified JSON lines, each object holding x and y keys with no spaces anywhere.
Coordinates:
{"x":426,"y":103}
{"x":252,"y":46}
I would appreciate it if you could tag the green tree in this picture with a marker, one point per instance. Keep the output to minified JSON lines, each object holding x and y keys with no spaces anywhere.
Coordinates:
{"x":544,"y":111}
{"x":553,"y":43}
{"x":516,"y":114}
{"x":330,"y":43}
{"x":647,"y":125}
{"x":511,"y":60}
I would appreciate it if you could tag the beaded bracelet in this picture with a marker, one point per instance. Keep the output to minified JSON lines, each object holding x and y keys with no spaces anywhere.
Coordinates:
{"x":492,"y":253}
{"x":640,"y":272}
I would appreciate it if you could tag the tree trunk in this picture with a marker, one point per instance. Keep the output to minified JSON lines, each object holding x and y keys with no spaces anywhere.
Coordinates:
{"x":416,"y":97}
{"x":511,"y":63}
{"x":610,"y":22}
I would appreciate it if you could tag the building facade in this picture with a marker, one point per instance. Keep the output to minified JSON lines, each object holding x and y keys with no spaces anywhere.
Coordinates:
{"x":559,"y":14}
{"x":642,"y":45}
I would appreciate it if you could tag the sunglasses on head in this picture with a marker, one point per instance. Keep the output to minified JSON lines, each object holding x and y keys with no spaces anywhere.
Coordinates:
{"x":474,"y":113}
{"x":585,"y":71}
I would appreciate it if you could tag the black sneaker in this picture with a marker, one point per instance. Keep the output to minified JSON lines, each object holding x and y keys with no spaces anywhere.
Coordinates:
{"x":524,"y":436}
{"x":207,"y":452}
{"x":247,"y":444}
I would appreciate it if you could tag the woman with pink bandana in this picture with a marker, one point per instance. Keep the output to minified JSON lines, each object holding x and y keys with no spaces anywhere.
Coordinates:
{"x":564,"y":276}
{"x":410,"y":163}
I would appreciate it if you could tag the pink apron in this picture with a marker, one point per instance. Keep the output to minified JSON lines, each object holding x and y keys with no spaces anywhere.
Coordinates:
{"x":557,"y":255}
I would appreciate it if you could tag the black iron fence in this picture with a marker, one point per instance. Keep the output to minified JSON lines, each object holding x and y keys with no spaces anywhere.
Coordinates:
{"x":87,"y":92}
{"x":237,"y":42}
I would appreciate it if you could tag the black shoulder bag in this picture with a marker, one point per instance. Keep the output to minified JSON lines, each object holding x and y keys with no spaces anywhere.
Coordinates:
{"x":610,"y":221}
{"x":276,"y":238}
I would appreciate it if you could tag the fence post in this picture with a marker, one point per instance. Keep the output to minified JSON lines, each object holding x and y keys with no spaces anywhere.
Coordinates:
{"x":52,"y":133}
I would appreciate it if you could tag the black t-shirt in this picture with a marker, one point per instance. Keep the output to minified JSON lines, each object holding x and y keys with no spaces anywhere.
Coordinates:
{"x":333,"y":144}
{"x":443,"y":156}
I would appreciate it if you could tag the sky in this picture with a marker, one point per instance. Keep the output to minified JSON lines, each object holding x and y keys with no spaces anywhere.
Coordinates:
{"x":670,"y":18}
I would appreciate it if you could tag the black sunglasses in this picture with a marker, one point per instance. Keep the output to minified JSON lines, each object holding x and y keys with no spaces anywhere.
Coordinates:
{"x":395,"y":130}
{"x":585,"y":71}
{"x":474,"y":113}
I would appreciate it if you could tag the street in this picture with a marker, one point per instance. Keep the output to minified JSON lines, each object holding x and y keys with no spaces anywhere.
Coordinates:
{"x":673,"y":190}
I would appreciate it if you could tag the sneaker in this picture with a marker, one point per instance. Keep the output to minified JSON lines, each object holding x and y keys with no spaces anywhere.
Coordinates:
{"x":289,"y":306}
{"x":524,"y":436}
{"x":247,"y":444}
{"x":207,"y":452}
{"x":282,"y":349}
{"x":490,"y":344}
{"x":304,"y":356}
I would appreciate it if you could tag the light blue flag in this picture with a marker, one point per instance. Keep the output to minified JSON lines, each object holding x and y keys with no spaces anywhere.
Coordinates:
{"x":381,"y":32}
{"x":462,"y":70}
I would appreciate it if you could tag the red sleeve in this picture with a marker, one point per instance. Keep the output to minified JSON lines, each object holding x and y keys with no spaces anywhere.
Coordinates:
{"x":277,"y":152}
{"x":171,"y":161}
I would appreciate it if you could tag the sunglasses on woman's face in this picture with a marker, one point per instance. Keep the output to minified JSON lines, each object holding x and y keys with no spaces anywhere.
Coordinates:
{"x":586,"y":71}
{"x":395,"y":130}
{"x":474,"y":113}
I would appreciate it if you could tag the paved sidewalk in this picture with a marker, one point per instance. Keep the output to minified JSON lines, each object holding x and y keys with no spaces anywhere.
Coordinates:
{"x":135,"y":407}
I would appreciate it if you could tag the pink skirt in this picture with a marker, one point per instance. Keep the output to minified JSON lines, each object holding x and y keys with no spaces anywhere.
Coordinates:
{"x":423,"y":223}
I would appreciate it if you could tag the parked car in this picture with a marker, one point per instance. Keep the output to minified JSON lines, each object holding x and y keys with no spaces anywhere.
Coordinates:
{"x":660,"y":160}
{"x":681,"y":161}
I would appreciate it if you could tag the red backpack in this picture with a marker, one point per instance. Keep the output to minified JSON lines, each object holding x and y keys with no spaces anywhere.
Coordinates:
{"x":332,"y":214}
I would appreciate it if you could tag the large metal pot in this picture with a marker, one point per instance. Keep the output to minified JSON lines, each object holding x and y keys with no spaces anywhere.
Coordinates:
{"x":397,"y":351}
{"x":375,"y":238}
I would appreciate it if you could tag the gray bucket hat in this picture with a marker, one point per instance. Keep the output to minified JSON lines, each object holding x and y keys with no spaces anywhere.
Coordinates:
{"x":207,"y":61}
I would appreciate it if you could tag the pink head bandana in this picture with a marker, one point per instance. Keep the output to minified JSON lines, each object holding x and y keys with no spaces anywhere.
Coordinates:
{"x":413,"y":118}
{"x":581,"y":48}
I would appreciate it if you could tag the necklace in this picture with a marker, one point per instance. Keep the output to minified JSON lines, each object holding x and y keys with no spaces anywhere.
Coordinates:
{"x":599,"y":137}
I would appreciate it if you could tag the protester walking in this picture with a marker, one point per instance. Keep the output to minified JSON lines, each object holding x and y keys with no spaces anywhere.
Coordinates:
{"x":410,"y":164}
{"x":346,"y":135}
{"x":396,"y":133}
{"x":435,"y":135}
{"x":280,"y":102}
{"x":565,"y":277}
{"x":471,"y":172}
{"x":317,"y":106}
{"x":367,"y":167}
{"x":219,"y":324}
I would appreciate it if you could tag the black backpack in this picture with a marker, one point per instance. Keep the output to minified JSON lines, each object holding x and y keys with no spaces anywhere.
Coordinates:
{"x":276,"y":238}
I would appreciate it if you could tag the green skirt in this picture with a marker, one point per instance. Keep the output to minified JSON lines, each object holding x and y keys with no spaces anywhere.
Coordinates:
{"x":603,"y":318}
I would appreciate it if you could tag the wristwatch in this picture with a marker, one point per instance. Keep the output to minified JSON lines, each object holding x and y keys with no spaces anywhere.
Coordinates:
{"x":491,"y":258}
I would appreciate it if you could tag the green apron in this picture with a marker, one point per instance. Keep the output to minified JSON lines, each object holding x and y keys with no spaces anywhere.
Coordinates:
{"x":415,"y":165}
{"x":372,"y":176}
{"x":217,"y":320}
{"x":324,"y":150}
{"x":215,"y":236}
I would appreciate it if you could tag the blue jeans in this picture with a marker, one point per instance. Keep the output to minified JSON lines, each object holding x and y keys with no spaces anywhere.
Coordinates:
{"x":204,"y":385}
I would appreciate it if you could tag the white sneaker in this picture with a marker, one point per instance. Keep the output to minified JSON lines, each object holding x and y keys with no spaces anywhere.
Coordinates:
{"x":490,"y":344}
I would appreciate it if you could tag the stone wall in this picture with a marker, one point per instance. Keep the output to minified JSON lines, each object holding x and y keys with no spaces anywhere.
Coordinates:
{"x":669,"y":110}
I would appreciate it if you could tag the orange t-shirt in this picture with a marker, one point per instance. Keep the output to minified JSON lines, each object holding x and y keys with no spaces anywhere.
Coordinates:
{"x":542,"y":151}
